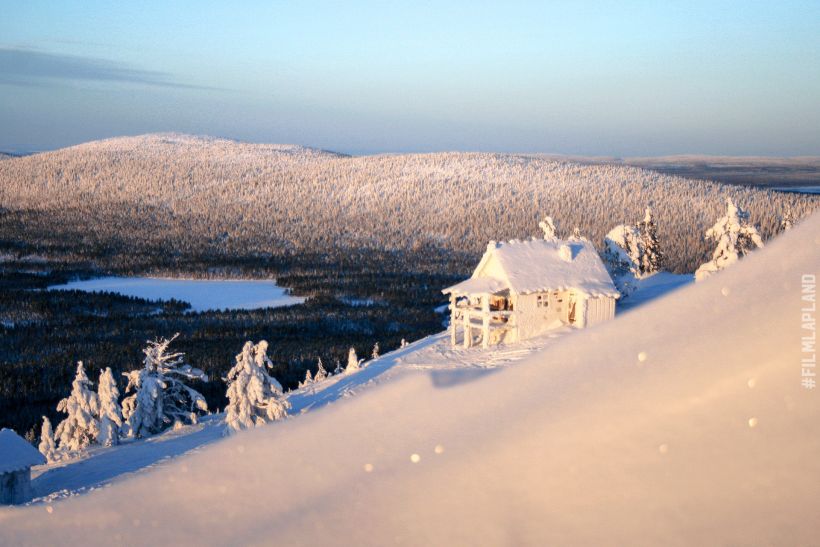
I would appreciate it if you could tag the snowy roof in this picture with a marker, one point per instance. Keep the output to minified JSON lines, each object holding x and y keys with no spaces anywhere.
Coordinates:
{"x":476,"y":285}
{"x":16,"y":453}
{"x":540,"y":265}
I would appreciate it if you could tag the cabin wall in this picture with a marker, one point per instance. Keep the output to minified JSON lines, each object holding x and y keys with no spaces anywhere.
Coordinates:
{"x":599,"y":309}
{"x":15,"y":487}
{"x":533,"y":319}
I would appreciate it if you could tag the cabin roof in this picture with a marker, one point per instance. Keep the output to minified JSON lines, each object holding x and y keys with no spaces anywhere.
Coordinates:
{"x":16,"y":453}
{"x":540,"y":265}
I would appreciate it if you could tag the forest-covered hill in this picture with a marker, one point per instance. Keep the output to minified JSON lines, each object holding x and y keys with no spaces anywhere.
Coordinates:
{"x":195,"y":195}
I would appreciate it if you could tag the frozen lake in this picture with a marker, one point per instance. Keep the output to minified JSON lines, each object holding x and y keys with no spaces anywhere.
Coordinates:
{"x":201,"y":294}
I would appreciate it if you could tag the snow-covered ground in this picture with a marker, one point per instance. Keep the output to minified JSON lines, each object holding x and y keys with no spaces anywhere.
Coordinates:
{"x":201,"y":294}
{"x":682,"y":422}
{"x":652,"y":287}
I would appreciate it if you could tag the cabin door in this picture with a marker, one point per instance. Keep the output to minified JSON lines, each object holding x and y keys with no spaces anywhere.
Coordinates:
{"x":571,"y":308}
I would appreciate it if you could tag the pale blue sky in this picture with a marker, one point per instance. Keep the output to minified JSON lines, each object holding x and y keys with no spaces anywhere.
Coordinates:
{"x":606,"y":78}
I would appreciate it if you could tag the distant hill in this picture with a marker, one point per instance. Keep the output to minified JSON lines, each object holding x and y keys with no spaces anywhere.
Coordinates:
{"x":763,"y":171}
{"x":167,"y":193}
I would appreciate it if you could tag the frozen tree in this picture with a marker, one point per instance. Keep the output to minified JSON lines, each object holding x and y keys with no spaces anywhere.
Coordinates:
{"x":787,"y":220}
{"x":254,"y":397}
{"x":375,"y":353}
{"x":404,"y":343}
{"x":338,"y":369}
{"x":576,"y":234}
{"x":651,"y":257}
{"x":623,"y":250}
{"x":47,"y":447}
{"x":308,"y":379}
{"x":353,"y":361}
{"x":81,"y":427}
{"x":160,"y":397}
{"x":549,"y":228}
{"x":321,"y":373}
{"x":110,"y":412}
{"x":735,"y":237}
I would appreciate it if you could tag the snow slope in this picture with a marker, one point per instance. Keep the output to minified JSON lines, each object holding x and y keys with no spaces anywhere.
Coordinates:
{"x":682,"y":422}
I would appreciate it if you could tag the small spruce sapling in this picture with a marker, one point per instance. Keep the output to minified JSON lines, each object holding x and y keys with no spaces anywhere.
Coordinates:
{"x":47,"y":446}
{"x":321,"y":373}
{"x":353,"y":361}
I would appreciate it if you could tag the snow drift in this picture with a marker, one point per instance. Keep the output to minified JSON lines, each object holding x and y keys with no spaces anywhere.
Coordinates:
{"x":682,"y":422}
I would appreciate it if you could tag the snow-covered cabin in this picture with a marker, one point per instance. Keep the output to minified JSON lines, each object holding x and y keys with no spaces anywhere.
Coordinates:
{"x":16,"y":458}
{"x":521,"y":289}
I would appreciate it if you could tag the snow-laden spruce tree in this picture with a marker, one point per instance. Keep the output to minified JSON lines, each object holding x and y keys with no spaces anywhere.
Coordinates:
{"x":81,"y":427}
{"x":338,"y":369}
{"x":47,"y":447}
{"x":375,"y":353}
{"x":787,"y":220}
{"x":308,"y":379}
{"x":254,"y":397}
{"x":404,"y":343}
{"x":353,"y":361}
{"x":321,"y":373}
{"x":623,"y":250}
{"x":160,"y":397}
{"x":110,"y":411}
{"x":549,"y":228}
{"x":651,"y":256}
{"x":735,"y":238}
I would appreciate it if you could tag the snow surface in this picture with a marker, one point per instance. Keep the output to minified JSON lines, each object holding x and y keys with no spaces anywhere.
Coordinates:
{"x":201,"y":294}
{"x":682,"y":422}
{"x":16,"y":453}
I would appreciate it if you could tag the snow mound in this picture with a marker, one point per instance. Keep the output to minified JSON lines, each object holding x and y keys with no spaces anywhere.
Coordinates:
{"x":682,"y":422}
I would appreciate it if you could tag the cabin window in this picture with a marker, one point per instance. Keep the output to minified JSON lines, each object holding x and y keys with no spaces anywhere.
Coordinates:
{"x":542,"y":301}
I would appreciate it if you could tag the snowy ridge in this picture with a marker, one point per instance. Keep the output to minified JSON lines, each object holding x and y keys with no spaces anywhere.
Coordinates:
{"x":682,"y":422}
{"x":182,"y":192}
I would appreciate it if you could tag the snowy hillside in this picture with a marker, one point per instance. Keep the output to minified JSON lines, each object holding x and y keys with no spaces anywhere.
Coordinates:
{"x":681,"y":422}
{"x":238,"y":199}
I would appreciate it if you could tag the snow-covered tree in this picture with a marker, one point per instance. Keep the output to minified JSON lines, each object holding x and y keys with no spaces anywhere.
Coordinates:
{"x":81,"y":427}
{"x":549,"y":228}
{"x":375,"y":353}
{"x":338,"y":369}
{"x":160,"y":397}
{"x":254,"y":397}
{"x":404,"y":343}
{"x":47,"y":447}
{"x":321,"y":373}
{"x":651,"y":256}
{"x":308,"y":379}
{"x":110,"y":412}
{"x":623,"y":250}
{"x":787,"y":220}
{"x":353,"y":361}
{"x":735,"y":238}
